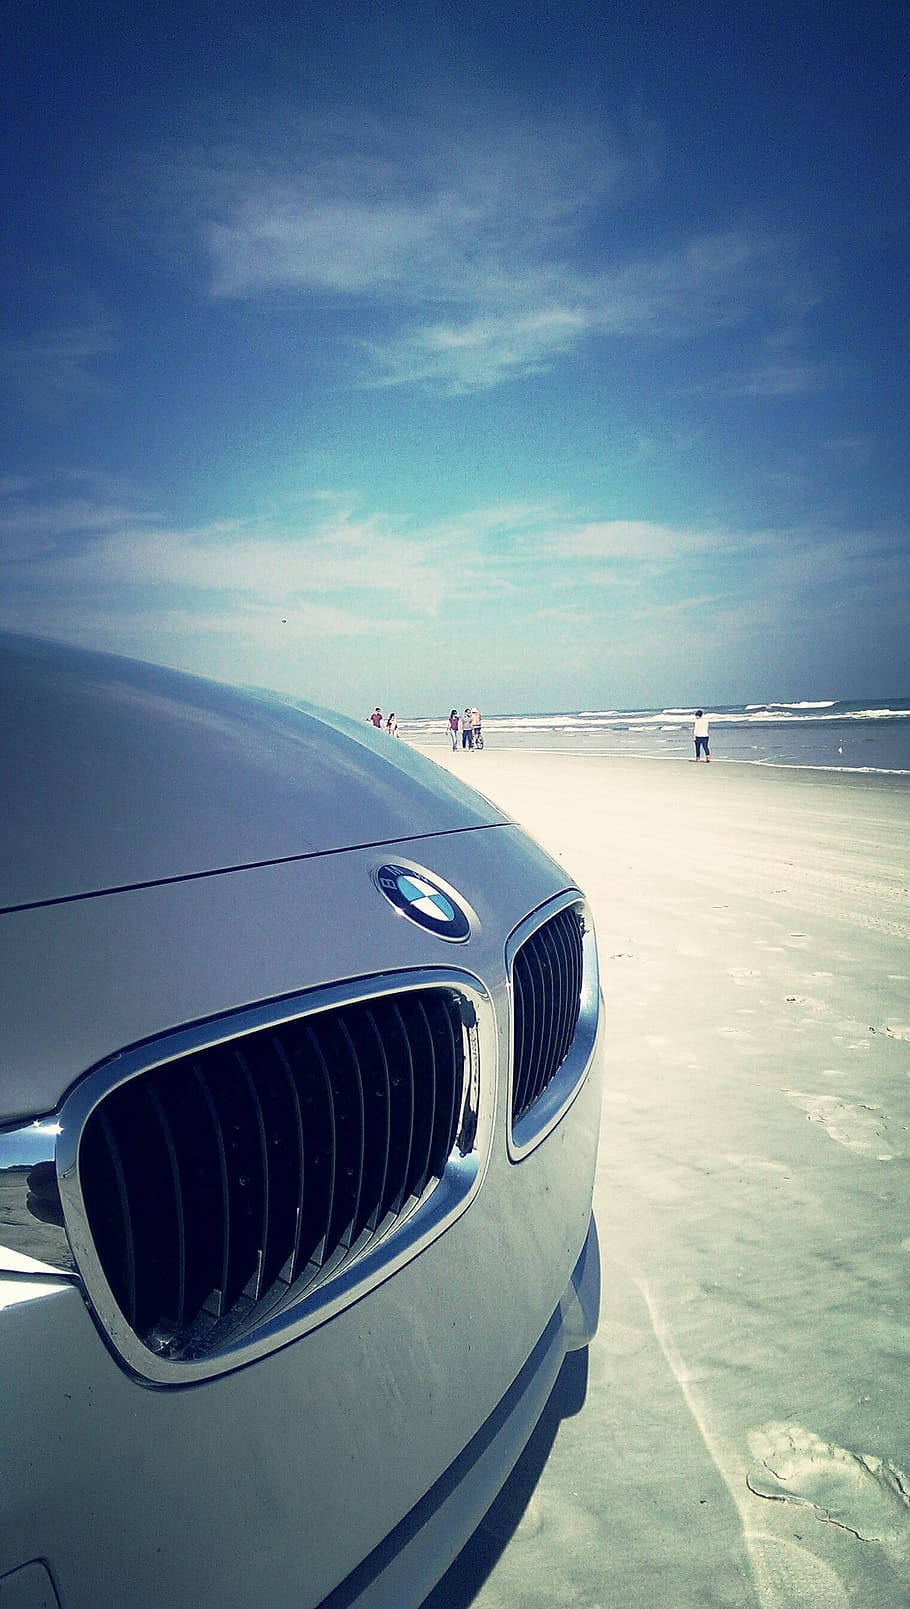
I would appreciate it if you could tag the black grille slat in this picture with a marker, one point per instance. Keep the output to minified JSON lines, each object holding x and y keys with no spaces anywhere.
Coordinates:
{"x":245,"y":1178}
{"x":568,"y":990}
{"x":519,"y":1035}
{"x":525,"y":971}
{"x":347,"y":1108}
{"x":295,"y":1162}
{"x":448,"y":1086}
{"x":219,"y":1211}
{"x":142,"y":1151}
{"x":317,"y":1109}
{"x":372,"y":1057}
{"x":223,"y":1185}
{"x":401,"y":1112}
{"x":538,"y":998}
{"x":546,"y":999}
{"x":281,"y":1111}
{"x":113,"y":1230}
{"x":574,"y":934}
{"x":550,"y":1000}
{"x":179,"y":1259}
{"x":420,"y":1034}
{"x":259,"y":1185}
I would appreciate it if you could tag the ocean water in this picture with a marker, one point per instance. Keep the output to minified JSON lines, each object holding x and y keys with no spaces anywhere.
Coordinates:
{"x":828,"y":734}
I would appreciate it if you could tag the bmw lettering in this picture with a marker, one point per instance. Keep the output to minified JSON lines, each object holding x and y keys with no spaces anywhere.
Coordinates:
{"x":420,"y":898}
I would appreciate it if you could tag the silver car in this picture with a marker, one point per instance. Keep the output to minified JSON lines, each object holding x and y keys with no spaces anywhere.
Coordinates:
{"x":299,"y":1103}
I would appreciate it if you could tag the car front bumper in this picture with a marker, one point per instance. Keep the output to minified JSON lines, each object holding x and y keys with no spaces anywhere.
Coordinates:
{"x":407,"y":1564}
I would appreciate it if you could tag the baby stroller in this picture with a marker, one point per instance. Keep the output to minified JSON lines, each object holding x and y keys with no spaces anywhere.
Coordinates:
{"x":478,"y":737}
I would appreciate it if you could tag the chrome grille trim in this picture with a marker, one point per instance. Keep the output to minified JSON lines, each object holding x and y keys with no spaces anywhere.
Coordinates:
{"x":554,"y":990}
{"x":286,"y":1260}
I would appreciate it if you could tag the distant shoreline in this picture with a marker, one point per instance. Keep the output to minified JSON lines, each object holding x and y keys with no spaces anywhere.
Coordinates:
{"x":441,"y":752}
{"x":860,"y":738}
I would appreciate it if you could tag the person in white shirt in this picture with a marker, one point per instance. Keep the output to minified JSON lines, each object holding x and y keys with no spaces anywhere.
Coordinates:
{"x":700,"y":733}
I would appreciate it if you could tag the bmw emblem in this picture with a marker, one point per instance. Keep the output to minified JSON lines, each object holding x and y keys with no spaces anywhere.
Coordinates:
{"x":423,"y":900}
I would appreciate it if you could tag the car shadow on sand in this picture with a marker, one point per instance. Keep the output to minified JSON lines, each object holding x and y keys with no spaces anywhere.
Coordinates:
{"x":468,"y":1572}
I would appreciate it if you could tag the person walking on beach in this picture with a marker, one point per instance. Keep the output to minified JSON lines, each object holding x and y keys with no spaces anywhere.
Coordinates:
{"x":376,"y":718}
{"x":467,"y":731}
{"x":453,"y":729}
{"x":700,"y":733}
{"x":391,"y":725}
{"x":476,"y":739}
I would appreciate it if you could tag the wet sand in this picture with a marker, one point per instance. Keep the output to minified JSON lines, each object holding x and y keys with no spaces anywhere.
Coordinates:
{"x":745,"y":1436}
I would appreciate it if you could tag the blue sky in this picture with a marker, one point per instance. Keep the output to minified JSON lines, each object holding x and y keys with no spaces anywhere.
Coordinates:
{"x":546,"y":356}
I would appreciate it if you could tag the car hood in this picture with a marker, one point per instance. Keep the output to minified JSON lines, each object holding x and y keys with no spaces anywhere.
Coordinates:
{"x":120,"y":774}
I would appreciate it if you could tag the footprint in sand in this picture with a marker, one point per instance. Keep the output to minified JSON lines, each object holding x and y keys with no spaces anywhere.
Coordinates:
{"x":739,"y":1159}
{"x":856,"y":1491}
{"x":863,"y":1129}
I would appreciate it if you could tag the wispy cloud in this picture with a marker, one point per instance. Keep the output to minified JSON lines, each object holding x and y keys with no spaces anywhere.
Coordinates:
{"x":438,"y":209}
{"x":641,"y":541}
{"x":793,"y":379}
{"x":484,"y":251}
{"x":707,"y":283}
{"x":286,"y":598}
{"x":329,"y":550}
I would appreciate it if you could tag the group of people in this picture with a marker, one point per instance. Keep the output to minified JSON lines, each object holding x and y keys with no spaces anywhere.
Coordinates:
{"x":471,"y":729}
{"x":391,"y":724}
{"x":469,"y":724}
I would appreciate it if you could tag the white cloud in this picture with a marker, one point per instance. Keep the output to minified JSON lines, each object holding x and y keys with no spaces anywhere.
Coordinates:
{"x":435,"y":210}
{"x":104,"y":572}
{"x":707,"y":283}
{"x":640,"y":541}
{"x":795,"y":379}
{"x":486,"y":249}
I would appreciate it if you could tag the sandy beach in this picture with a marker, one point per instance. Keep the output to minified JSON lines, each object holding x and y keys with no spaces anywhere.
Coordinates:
{"x":745,"y":1436}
